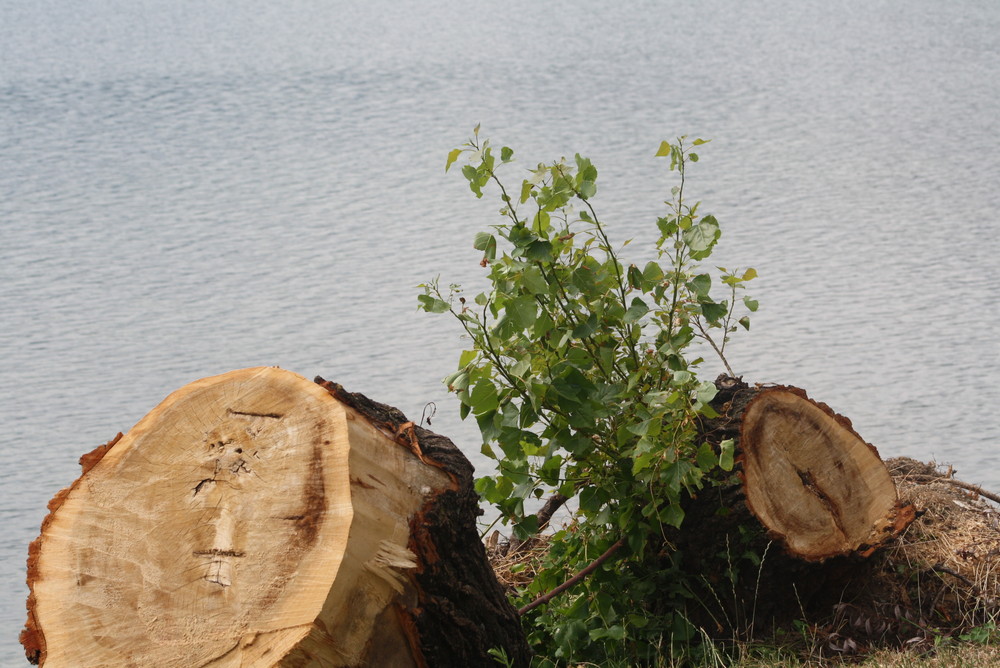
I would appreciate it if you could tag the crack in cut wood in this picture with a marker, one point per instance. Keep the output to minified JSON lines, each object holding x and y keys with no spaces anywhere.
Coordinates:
{"x":273,"y":416}
{"x":809,"y":482}
{"x":201,"y":484}
{"x":214,"y":552}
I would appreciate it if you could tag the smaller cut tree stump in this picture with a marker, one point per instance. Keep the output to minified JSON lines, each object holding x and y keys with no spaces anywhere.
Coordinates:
{"x":812,"y":481}
{"x":260,"y":519}
{"x":792,"y":534}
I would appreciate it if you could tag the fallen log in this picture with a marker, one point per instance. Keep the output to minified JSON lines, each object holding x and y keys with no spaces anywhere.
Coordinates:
{"x":260,"y":519}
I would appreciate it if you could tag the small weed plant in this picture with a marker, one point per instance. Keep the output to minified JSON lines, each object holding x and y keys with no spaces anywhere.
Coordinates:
{"x":581,"y":375}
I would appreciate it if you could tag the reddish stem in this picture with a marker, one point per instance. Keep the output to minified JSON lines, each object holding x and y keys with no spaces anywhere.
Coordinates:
{"x":545,"y":598}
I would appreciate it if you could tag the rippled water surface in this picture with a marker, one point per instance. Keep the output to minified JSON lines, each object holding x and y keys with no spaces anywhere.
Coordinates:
{"x":188,"y":188}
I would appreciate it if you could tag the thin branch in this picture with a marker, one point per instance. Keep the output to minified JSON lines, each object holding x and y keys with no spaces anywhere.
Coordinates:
{"x":705,"y":335}
{"x":618,"y":275}
{"x":545,"y":598}
{"x":958,"y":483}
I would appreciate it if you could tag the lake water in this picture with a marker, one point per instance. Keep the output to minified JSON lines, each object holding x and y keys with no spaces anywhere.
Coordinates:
{"x":188,"y":188}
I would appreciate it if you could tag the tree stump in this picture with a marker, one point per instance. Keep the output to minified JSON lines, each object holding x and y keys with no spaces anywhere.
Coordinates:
{"x":812,"y":481}
{"x":790,"y":534}
{"x":260,"y":519}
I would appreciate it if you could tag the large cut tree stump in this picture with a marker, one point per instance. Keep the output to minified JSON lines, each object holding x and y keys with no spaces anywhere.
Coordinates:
{"x":260,"y":519}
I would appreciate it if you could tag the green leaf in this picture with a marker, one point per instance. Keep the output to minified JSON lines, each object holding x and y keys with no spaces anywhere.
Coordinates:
{"x":706,"y":391}
{"x":452,"y":157}
{"x":549,"y":471}
{"x":701,"y":285}
{"x":465,"y":359}
{"x":523,"y":312}
{"x":586,"y":329}
{"x":664,"y":149}
{"x":539,"y":251}
{"x":534,"y":281}
{"x":591,"y":499}
{"x":702,"y":237}
{"x":667,"y":226}
{"x":540,"y":223}
{"x":706,"y":457}
{"x":750,"y":274}
{"x":699,"y":142}
{"x":483,"y":398}
{"x":650,"y":427}
{"x":585,"y":170}
{"x":652,"y":273}
{"x":635,"y":311}
{"x":506,"y":154}
{"x":726,"y":454}
{"x":587,"y":189}
{"x":482,"y":240}
{"x":681,"y":377}
{"x":526,"y":528}
{"x":616,"y":632}
{"x":457,"y":382}
{"x":526,"y":188}
{"x":433,"y":304}
{"x":475,"y":183}
{"x":745,"y":321}
{"x":673,"y":477}
{"x":714,"y":312}
{"x":751,"y":304}
{"x":635,"y":277}
{"x":643,"y":462}
{"x":673,"y":515}
{"x":521,"y":368}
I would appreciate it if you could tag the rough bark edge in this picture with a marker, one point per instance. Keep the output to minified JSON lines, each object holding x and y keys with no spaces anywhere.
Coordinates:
{"x":462,"y":611}
{"x":900,"y":516}
{"x":32,"y":638}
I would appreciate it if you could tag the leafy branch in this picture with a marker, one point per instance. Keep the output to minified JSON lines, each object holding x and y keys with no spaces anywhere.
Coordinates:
{"x":581,"y":375}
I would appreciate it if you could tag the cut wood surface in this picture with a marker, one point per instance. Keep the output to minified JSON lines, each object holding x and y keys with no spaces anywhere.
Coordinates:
{"x":812,"y":481}
{"x":260,"y":519}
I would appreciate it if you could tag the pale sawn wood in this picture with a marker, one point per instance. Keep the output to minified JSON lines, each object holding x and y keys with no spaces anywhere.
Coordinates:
{"x":812,"y":481}
{"x":250,"y":519}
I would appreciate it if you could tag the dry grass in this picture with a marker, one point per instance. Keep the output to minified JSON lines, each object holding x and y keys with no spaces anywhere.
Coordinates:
{"x":964,"y":656}
{"x":515,"y":564}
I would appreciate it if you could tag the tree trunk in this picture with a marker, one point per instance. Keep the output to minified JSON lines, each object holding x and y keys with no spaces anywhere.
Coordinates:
{"x":811,"y":498}
{"x":259,"y":519}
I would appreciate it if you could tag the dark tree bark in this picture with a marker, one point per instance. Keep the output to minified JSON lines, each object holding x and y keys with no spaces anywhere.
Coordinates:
{"x":461,"y":611}
{"x":808,"y":495}
{"x":260,"y":519}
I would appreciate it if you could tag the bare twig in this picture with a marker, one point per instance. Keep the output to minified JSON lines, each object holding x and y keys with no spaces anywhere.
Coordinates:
{"x":958,"y":483}
{"x":941,"y":568}
{"x":545,"y":598}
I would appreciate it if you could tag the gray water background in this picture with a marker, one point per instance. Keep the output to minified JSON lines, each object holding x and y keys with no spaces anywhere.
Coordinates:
{"x":188,"y":188}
